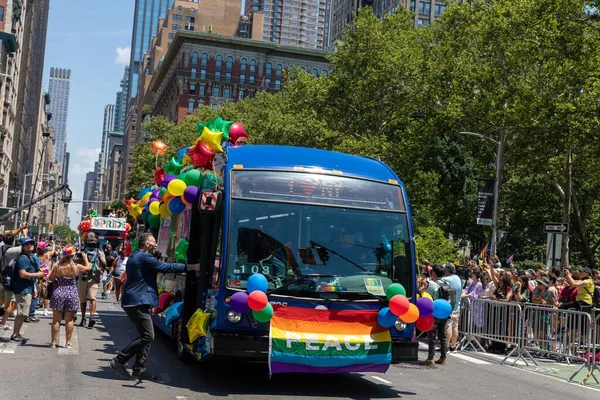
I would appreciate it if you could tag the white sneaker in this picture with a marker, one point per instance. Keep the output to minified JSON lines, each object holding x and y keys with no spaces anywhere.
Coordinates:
{"x":5,"y":327}
{"x":45,"y":313}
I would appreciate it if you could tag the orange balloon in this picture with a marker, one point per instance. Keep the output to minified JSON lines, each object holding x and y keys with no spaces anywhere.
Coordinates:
{"x":411,"y":315}
{"x":158,"y":147}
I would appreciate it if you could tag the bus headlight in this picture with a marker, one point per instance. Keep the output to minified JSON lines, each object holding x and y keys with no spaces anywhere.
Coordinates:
{"x":399,"y":325}
{"x":233,"y":317}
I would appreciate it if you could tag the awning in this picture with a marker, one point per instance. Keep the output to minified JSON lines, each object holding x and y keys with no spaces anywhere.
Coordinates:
{"x":10,"y":40}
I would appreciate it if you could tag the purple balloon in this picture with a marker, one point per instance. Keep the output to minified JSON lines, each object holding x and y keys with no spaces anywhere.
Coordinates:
{"x":168,"y":179}
{"x":425,"y":307}
{"x":191,"y":194}
{"x":239,"y":302}
{"x":155,"y":194}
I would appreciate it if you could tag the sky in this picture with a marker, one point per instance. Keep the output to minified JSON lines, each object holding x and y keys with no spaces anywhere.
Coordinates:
{"x":91,"y":38}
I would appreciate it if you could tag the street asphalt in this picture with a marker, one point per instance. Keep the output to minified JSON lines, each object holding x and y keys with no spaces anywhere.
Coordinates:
{"x":36,"y":371}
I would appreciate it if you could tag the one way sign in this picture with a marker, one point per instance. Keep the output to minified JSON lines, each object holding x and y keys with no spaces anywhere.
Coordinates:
{"x":556,"y":227}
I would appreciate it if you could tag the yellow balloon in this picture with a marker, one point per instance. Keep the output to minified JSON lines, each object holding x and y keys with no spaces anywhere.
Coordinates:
{"x":164,"y":210}
{"x":425,"y":294}
{"x":154,"y":208}
{"x":212,"y":140}
{"x":146,"y":197}
{"x":176,"y":187}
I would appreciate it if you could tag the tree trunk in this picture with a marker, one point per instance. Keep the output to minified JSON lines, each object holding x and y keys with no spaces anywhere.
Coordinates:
{"x":564,"y":251}
{"x":589,"y":254}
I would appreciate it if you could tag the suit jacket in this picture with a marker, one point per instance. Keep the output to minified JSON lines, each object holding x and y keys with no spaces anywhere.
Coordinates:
{"x":142,"y":270}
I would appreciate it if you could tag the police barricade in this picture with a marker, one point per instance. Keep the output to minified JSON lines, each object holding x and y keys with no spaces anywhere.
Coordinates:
{"x":594,"y":354}
{"x":561,"y":334}
{"x":467,"y":340}
{"x":495,"y":321}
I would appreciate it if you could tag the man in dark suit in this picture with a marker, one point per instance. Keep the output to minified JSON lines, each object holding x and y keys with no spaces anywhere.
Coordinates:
{"x":140,"y":295}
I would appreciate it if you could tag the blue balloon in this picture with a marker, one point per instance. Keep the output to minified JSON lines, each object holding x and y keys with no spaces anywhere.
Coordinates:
{"x":143,"y":192}
{"x":257,"y":282}
{"x":176,"y":206}
{"x":180,"y":154}
{"x":385,"y":318}
{"x":441,"y":309}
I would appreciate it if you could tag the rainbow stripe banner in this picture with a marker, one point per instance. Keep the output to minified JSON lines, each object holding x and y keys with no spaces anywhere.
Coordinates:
{"x":306,"y":340}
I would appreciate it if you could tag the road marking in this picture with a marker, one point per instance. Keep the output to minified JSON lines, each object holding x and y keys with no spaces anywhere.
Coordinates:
{"x":469,"y":359}
{"x":554,"y":378}
{"x":382,"y":380}
{"x":74,"y":342}
{"x":181,"y":397}
{"x":12,"y":346}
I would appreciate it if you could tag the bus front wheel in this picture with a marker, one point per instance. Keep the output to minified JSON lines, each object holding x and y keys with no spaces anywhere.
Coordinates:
{"x":183,"y":354}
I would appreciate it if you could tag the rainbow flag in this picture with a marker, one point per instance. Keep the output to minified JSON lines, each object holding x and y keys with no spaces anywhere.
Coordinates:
{"x":484,"y":253}
{"x":510,"y":259}
{"x":306,"y":340}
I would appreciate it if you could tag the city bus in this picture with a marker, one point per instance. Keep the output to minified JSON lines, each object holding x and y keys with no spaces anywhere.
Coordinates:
{"x":308,"y":220}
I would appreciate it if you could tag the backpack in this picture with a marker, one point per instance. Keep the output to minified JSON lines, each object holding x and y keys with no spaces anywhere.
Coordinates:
{"x":7,"y":269}
{"x":446,"y":292}
{"x":595,"y":296}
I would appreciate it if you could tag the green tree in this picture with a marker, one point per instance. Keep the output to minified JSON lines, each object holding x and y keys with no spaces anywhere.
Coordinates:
{"x":64,"y":232}
{"x":432,"y":244}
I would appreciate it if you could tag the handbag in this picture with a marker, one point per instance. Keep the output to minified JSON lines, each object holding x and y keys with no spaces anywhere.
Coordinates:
{"x":47,"y":290}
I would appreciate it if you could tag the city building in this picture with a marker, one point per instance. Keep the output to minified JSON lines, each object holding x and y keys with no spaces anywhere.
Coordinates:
{"x":59,"y":88}
{"x":204,"y":69}
{"x":302,"y":23}
{"x":88,"y":191}
{"x":145,"y":27}
{"x":11,"y":50}
{"x":108,"y":126}
{"x":29,"y":93}
{"x":121,"y":103}
{"x":113,"y":171}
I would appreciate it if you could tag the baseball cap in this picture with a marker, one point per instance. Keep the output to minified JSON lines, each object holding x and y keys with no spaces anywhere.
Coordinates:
{"x":586,"y":269}
{"x":24,"y":241}
{"x":42,"y":246}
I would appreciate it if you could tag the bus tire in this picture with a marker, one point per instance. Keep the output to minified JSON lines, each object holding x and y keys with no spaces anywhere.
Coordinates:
{"x":182,"y":353}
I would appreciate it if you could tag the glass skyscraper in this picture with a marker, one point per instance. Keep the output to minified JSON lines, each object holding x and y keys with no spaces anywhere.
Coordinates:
{"x":145,"y":27}
{"x":59,"y":88}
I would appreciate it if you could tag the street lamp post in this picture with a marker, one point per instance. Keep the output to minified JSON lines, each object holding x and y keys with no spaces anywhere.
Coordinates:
{"x":499,"y":161}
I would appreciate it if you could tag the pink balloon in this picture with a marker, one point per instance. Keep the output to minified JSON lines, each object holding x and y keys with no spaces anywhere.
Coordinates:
{"x":237,"y":133}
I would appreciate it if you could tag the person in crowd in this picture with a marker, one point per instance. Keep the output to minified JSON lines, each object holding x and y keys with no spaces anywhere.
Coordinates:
{"x":437,"y":272}
{"x":553,"y":291}
{"x":45,"y":252}
{"x":111,"y":257}
{"x":585,"y":286}
{"x":9,"y":253}
{"x":475,"y":290}
{"x":521,"y":289}
{"x":65,"y":299}
{"x":568,"y":295}
{"x":26,"y":272}
{"x":39,"y":253}
{"x":453,"y":322}
{"x":140,"y":295}
{"x":117,"y":271}
{"x":90,"y":281}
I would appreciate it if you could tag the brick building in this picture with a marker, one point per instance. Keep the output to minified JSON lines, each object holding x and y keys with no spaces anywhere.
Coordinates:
{"x":207,"y":70}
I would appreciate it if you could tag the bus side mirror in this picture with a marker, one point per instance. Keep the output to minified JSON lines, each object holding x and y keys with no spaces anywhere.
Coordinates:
{"x":210,"y":201}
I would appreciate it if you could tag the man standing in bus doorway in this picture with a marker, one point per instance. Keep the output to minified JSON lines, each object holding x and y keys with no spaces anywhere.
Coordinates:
{"x":140,"y":295}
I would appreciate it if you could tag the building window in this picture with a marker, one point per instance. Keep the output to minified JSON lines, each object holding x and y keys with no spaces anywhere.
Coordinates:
{"x":194,"y":58}
{"x":171,"y":36}
{"x":1,"y":13}
{"x":214,"y":106}
{"x":227,"y":76}
{"x":251,"y":80}
{"x":192,"y":88}
{"x":268,"y":70}
{"x":243,"y":65}
{"x":424,"y":7}
{"x":177,"y":17}
{"x":175,"y":27}
{"x":179,"y":8}
{"x":278,"y":69}
{"x":217,"y":75}
{"x":240,"y":94}
{"x":202,"y":90}
{"x":242,"y":78}
{"x":229,"y":63}
{"x":218,"y":61}
{"x":325,"y":73}
{"x":190,"y":19}
{"x":191,"y":106}
{"x":216,"y":91}
{"x":202,"y":73}
{"x":193,"y":73}
{"x":193,"y":10}
{"x":412,"y":5}
{"x":204,"y":59}
{"x":315,"y":72}
{"x":227,"y":93}
{"x":267,"y":83}
{"x":252,"y":66}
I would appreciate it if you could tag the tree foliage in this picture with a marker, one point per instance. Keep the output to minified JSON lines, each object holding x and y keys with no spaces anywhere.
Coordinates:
{"x":64,"y":232}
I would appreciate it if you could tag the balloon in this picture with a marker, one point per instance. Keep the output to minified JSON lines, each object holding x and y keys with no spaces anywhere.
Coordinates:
{"x":210,"y":180}
{"x":176,"y":187}
{"x":176,"y":206}
{"x":425,"y":324}
{"x":426,"y":295}
{"x":201,"y":156}
{"x":257,"y":300}
{"x":173,"y":167}
{"x":191,"y":194}
{"x":159,"y":175}
{"x":143,"y":192}
{"x":193,"y":178}
{"x":257,"y":282}
{"x":386,"y":318}
{"x":163,"y":210}
{"x":212,"y":139}
{"x":146,"y":216}
{"x":135,"y":210}
{"x":441,"y":309}
{"x":155,"y":193}
{"x":154,"y":221}
{"x":411,"y":315}
{"x":184,"y":201}
{"x":239,"y":302}
{"x":167,"y":180}
{"x":264,"y":315}
{"x":425,"y":307}
{"x":146,"y":197}
{"x":394,"y":289}
{"x":158,"y":147}
{"x":154,"y":208}
{"x":221,"y":125}
{"x":179,"y":155}
{"x":237,"y":133}
{"x":399,"y":304}
{"x":163,"y":192}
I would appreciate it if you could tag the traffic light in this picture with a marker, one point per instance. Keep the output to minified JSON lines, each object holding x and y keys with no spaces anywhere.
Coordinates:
{"x":323,"y":254}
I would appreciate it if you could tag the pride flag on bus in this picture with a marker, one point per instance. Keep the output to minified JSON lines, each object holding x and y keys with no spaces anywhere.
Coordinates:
{"x":307,"y":340}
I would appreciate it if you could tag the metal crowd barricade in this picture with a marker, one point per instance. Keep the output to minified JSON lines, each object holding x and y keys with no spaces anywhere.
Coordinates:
{"x":564,"y":334}
{"x":594,"y":348}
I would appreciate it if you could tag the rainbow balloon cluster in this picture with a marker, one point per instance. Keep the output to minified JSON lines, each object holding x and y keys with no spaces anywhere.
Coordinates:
{"x":423,"y":313}
{"x":254,"y":299}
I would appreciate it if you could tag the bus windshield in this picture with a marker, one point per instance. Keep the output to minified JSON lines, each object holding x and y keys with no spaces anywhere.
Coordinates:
{"x":305,"y":248}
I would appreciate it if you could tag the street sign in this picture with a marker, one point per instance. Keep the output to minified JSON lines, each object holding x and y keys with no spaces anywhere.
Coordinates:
{"x":556,"y":227}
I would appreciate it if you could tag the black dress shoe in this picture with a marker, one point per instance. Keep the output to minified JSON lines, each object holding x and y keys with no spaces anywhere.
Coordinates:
{"x":144,"y":375}
{"x":119,"y":369}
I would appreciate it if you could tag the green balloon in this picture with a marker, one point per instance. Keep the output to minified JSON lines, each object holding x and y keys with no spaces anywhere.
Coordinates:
{"x":154,"y":221}
{"x":394,"y":289}
{"x":193,"y":178}
{"x":210,"y":180}
{"x":265,"y":314}
{"x":146,"y":216}
{"x":162,"y":193}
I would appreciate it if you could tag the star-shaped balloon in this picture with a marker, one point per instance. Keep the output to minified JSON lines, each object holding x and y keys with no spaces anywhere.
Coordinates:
{"x":135,"y":210}
{"x":129,"y":202}
{"x":172,"y":167}
{"x":186,"y":158}
{"x":212,"y":140}
{"x":159,"y":175}
{"x":201,"y":156}
{"x":222,"y":125}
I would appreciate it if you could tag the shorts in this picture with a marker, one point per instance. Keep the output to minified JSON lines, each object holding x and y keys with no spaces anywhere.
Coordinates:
{"x":87,"y":290}
{"x":23,"y":304}
{"x":453,"y":320}
{"x":6,"y":296}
